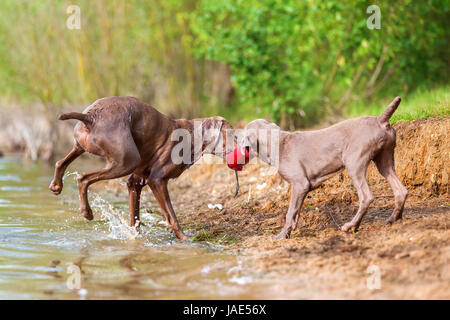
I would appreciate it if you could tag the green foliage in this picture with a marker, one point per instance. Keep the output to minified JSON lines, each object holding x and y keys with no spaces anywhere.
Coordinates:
{"x":295,"y":61}
{"x":203,"y":235}
{"x":423,"y":103}
{"x":304,"y":59}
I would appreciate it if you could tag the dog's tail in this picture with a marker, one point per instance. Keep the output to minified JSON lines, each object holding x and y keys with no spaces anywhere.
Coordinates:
{"x":387,"y":114}
{"x":76,"y":115}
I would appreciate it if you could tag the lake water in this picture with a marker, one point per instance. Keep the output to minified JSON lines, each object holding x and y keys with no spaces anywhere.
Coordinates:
{"x":49,"y":251}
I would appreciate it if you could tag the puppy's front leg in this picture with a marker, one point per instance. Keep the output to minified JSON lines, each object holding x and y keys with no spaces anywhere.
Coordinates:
{"x":298,"y":193}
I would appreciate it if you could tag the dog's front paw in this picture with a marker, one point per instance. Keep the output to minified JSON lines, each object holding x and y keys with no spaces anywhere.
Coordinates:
{"x":281,"y":235}
{"x":182,"y":237}
{"x":348,"y":227}
{"x":55,"y":187}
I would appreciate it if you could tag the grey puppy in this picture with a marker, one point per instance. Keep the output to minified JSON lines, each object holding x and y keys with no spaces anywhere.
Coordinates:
{"x":307,"y":158}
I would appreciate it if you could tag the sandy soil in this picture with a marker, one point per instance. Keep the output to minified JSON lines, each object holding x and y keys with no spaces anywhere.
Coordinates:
{"x":320,"y":261}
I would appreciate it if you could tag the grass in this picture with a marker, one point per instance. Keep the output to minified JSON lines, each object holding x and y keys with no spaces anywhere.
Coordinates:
{"x":203,"y":235}
{"x":214,"y":237}
{"x":418,"y":105}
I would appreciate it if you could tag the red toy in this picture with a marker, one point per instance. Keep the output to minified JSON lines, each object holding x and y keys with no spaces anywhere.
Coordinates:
{"x":238,"y":158}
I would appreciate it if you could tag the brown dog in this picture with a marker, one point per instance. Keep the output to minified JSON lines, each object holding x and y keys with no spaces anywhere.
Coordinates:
{"x":135,"y":138}
{"x":306,"y":159}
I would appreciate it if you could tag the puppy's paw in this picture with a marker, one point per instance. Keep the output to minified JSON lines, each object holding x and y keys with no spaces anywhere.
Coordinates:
{"x":391,"y":220}
{"x":348,"y":227}
{"x":281,"y":235}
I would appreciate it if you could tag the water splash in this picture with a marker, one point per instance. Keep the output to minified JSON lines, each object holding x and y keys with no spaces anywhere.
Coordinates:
{"x":153,"y":229}
{"x":70,"y":173}
{"x":115,"y":218}
{"x":238,"y":274}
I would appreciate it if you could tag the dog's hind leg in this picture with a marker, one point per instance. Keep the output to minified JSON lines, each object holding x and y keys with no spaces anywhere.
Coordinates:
{"x":135,"y":185}
{"x":385,"y":165}
{"x":358,"y":176}
{"x":60,"y":167}
{"x":122,"y":158}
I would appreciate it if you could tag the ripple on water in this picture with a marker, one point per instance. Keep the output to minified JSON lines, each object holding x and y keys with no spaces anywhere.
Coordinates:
{"x":37,"y":228}
{"x":11,"y":228}
{"x":68,"y":242}
{"x":14,"y":253}
{"x":9,"y":177}
{"x":27,"y":275}
{"x":32,"y":268}
{"x":17,"y":205}
{"x":19,"y":188}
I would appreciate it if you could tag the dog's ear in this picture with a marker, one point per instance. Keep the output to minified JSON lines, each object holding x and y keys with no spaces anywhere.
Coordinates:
{"x":250,"y":139}
{"x":258,"y":134}
{"x":211,"y":129}
{"x":212,"y":123}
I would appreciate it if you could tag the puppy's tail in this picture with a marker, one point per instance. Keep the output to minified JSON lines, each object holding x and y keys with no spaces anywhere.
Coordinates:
{"x":387,"y":114}
{"x":76,"y":115}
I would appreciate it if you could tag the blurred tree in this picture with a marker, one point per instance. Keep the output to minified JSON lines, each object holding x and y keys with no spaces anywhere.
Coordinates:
{"x":131,"y":47}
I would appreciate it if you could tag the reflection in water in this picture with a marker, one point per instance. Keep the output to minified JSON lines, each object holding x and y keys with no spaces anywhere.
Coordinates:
{"x":42,"y":238}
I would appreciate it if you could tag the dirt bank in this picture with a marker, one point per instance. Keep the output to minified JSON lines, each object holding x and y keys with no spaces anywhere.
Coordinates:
{"x":319,"y":261}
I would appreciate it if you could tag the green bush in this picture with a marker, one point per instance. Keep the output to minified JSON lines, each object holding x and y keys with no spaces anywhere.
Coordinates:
{"x":301,"y":60}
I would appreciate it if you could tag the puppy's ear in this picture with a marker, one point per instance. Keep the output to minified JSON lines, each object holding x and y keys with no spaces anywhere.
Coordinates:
{"x":246,"y":141}
{"x":250,"y":139}
{"x":265,"y":124}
